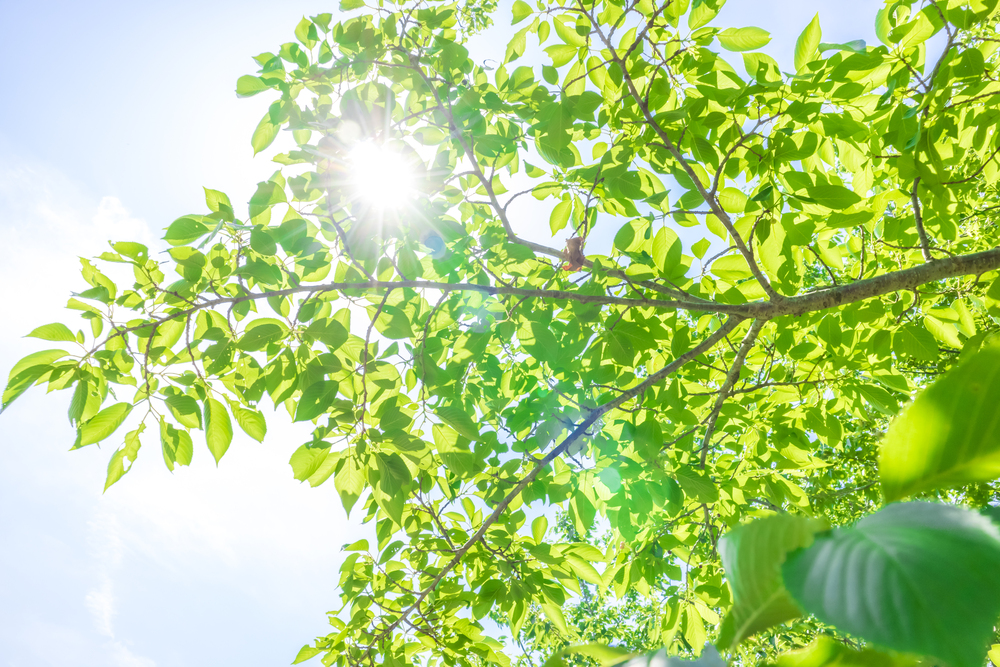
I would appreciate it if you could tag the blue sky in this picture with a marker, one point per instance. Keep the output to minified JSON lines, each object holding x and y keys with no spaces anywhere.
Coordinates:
{"x":115,"y":115}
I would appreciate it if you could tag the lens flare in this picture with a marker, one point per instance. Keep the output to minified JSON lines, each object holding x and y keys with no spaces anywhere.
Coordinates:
{"x":380,"y":177}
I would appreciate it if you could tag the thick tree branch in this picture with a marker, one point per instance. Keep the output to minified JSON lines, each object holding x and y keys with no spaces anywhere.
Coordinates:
{"x":907,"y":279}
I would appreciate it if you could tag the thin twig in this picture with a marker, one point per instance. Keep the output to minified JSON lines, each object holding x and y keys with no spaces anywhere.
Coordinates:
{"x":731,"y":378}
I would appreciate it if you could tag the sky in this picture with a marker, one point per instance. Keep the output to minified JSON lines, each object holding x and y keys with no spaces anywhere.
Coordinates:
{"x":114,"y":115}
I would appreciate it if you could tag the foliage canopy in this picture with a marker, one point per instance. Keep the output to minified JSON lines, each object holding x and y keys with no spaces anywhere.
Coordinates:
{"x":755,"y":269}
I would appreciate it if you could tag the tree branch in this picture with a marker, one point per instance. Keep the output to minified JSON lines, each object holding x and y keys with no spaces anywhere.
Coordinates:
{"x":727,"y":386}
{"x":709,"y":198}
{"x":577,"y":433}
{"x":925,"y":244}
{"x":501,"y":210}
{"x":907,"y":279}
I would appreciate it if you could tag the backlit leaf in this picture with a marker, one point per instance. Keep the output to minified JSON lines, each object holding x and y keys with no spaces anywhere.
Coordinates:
{"x":752,"y":555}
{"x":102,"y":425}
{"x":807,"y":45}
{"x":917,"y":577}
{"x":743,"y":39}
{"x":54,"y":332}
{"x":949,"y":435}
{"x":177,"y":445}
{"x":316,"y":399}
{"x":218,"y":428}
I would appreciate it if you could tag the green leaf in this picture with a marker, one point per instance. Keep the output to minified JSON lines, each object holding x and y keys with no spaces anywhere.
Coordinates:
{"x":409,"y":265}
{"x":307,"y":652}
{"x":567,"y":32}
{"x":915,"y":342}
{"x":855,"y":46}
{"x":667,"y":250}
{"x":251,"y":422}
{"x":393,"y":473}
{"x":218,"y":202}
{"x":454,"y":454}
{"x":731,"y":268}
{"x":35,"y":360}
{"x":917,"y":30}
{"x":743,"y":39}
{"x":539,"y":526}
{"x":248,"y":86}
{"x":703,"y":11}
{"x":177,"y":446}
{"x":620,"y":347}
{"x":521,"y":11}
{"x":264,"y":135}
{"x":752,"y":555}
{"x":329,"y":332}
{"x":316,"y":399}
{"x":835,"y":197}
{"x":697,"y":485}
{"x":457,"y":418}
{"x":732,"y":200}
{"x":709,"y":658}
{"x":261,"y":333}
{"x":101,"y":425}
{"x":915,"y":577}
{"x":54,"y":332}
{"x":348,"y":5}
{"x":807,"y":45}
{"x":349,"y":480}
{"x":136,"y":251}
{"x":185,"y":410}
{"x":826,"y":651}
{"x":305,"y":32}
{"x":185,"y":230}
{"x":116,"y":466}
{"x":603,"y":654}
{"x":882,"y":25}
{"x":218,"y":429}
{"x":27,"y":371}
{"x":878,"y":398}
{"x":554,"y":613}
{"x":950,"y":435}
{"x":560,"y":215}
{"x":306,"y":460}
{"x":943,"y":332}
{"x":267,"y":194}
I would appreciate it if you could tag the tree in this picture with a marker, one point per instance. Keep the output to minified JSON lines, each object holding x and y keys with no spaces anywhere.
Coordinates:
{"x":755,"y":271}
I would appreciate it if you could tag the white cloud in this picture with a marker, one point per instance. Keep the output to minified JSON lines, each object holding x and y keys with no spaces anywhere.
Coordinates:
{"x":202,"y":553}
{"x":101,"y":605}
{"x":121,"y":656}
{"x":113,"y":222}
{"x":46,"y":222}
{"x":106,"y":553}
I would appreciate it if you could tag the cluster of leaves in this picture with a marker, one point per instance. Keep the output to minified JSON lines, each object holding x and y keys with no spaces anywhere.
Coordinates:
{"x":917,"y":577}
{"x":776,"y":262}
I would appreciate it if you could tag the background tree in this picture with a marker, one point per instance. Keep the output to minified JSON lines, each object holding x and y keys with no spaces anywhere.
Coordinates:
{"x":758,"y":270}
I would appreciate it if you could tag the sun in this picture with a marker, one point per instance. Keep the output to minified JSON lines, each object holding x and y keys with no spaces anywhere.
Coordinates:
{"x":380,"y":176}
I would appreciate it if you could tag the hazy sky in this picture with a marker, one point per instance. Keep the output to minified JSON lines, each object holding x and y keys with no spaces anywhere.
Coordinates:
{"x":113,"y":116}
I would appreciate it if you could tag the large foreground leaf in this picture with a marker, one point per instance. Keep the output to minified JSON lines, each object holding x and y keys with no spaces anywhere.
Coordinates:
{"x":915,"y":577}
{"x":950,"y":435}
{"x":828,"y":652}
{"x":752,"y":555}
